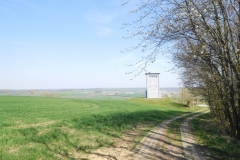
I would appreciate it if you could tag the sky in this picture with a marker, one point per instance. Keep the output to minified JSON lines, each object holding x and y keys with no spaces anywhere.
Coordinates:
{"x":71,"y":44}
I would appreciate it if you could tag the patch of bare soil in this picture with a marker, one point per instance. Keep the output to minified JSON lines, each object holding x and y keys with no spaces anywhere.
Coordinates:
{"x":121,"y":149}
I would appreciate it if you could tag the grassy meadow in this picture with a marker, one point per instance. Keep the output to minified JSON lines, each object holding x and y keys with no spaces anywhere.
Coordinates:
{"x":61,"y":128}
{"x":214,"y":139}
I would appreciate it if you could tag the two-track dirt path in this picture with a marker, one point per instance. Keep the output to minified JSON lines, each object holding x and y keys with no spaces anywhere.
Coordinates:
{"x":155,"y":146}
{"x":191,"y":149}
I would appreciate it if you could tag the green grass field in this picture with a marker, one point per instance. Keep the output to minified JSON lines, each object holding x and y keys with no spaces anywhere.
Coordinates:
{"x":217,"y":143}
{"x":50,"y":128}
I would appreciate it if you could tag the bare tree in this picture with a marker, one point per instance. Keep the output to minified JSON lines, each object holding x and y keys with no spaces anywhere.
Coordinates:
{"x":205,"y":39}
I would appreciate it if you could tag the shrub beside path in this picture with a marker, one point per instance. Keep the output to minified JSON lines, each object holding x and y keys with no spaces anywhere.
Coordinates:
{"x":155,"y":146}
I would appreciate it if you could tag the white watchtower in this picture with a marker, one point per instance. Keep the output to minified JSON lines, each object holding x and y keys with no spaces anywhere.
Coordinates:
{"x":152,"y":85}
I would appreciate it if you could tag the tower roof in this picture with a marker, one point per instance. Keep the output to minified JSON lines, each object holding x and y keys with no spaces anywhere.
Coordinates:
{"x":151,"y":73}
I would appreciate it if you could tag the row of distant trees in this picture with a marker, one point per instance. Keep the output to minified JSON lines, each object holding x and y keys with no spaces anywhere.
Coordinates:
{"x":54,"y":94}
{"x":32,"y":92}
{"x":20,"y":92}
{"x":205,"y":46}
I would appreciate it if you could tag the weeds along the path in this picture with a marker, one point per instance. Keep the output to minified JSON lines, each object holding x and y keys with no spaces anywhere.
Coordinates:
{"x":214,"y":139}
{"x":49,"y":128}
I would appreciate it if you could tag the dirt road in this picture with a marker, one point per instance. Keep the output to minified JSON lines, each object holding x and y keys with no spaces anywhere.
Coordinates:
{"x":191,"y":149}
{"x":155,"y":144}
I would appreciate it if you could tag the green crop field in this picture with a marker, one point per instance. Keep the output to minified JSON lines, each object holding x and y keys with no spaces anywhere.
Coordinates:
{"x":50,"y":128}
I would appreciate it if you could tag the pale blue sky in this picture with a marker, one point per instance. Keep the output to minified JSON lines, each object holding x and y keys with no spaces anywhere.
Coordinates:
{"x":53,"y":44}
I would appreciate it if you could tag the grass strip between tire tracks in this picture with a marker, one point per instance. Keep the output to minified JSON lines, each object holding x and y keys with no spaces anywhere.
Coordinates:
{"x":174,"y":133}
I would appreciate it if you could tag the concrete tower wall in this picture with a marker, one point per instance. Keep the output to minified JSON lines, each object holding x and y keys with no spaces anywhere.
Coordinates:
{"x":152,"y":85}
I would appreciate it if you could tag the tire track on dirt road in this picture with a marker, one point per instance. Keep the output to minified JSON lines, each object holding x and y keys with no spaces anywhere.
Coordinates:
{"x":155,"y":146}
{"x":191,"y":149}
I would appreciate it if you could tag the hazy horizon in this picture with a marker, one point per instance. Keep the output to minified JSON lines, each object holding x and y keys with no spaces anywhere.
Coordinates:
{"x":88,"y":88}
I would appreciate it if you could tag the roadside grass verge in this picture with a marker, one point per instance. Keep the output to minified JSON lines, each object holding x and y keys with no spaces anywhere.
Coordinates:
{"x":56,"y":128}
{"x":217,"y":144}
